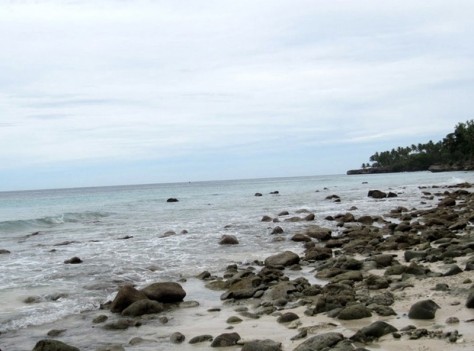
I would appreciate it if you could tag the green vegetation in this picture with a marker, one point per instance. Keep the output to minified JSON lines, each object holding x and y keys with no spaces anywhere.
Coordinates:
{"x":455,"y":151}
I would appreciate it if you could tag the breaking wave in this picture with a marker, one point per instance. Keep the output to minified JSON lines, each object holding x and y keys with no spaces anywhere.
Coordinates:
{"x":51,"y":221}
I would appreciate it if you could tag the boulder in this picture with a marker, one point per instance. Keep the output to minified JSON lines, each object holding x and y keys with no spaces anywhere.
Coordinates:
{"x":377,"y":194}
{"x":53,"y":345}
{"x":177,"y":338}
{"x":356,"y":311}
{"x":470,"y":300}
{"x":373,"y":331}
{"x":141,"y":307}
{"x":262,"y":345}
{"x":166,"y":292}
{"x":287,"y":317}
{"x":317,"y":232}
{"x":225,"y":340}
{"x":73,"y":260}
{"x":277,"y":230}
{"x":320,"y":342}
{"x":425,"y":309}
{"x":286,"y":258}
{"x":125,"y":297}
{"x":4,"y":252}
{"x":172,"y":199}
{"x":266,"y":219}
{"x":228,"y":240}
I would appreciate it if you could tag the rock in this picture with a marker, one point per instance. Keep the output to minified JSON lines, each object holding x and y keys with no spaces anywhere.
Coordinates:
{"x":410,"y":255}
{"x":53,"y":345}
{"x":470,"y":300}
{"x":141,"y":307}
{"x":100,"y":319}
{"x":375,"y":282}
{"x":377,"y":194}
{"x":391,"y":194}
{"x":177,"y":338}
{"x":262,"y":345}
{"x":425,"y":309}
{"x":355,"y":276}
{"x":56,"y":332}
{"x":172,"y":199}
{"x":276,"y":192}
{"x":447,"y":202}
{"x":125,"y":297}
{"x":318,"y":253}
{"x":234,"y":320}
{"x":4,"y":251}
{"x":286,"y":258}
{"x":228,"y":240}
{"x":356,"y":311}
{"x":373,"y":331}
{"x":226,"y":339}
{"x":258,"y":194}
{"x":287,"y":317}
{"x":320,"y":342}
{"x":317,"y":232}
{"x":111,"y":347}
{"x":166,"y":292}
{"x":121,"y":324}
{"x":298,"y":237}
{"x":266,"y":219}
{"x":452,"y":320}
{"x":453,"y":270}
{"x":383,"y":260}
{"x":277,"y":230}
{"x":73,"y":260}
{"x":284,"y":213}
{"x":201,"y":338}
{"x":168,"y":234}
{"x":310,"y":217}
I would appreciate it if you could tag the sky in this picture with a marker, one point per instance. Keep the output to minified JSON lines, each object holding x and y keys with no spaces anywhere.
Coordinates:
{"x":111,"y":92}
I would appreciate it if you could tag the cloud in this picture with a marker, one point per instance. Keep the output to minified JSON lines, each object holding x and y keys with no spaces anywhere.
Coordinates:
{"x":142,"y":80}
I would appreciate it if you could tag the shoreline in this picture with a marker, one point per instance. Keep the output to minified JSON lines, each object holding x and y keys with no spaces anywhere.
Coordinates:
{"x":362,"y":244}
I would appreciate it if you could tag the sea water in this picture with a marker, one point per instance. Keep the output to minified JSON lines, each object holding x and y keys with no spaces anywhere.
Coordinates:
{"x":122,"y":233}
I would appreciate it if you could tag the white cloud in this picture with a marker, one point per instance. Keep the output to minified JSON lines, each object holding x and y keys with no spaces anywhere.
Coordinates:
{"x":84,"y":80}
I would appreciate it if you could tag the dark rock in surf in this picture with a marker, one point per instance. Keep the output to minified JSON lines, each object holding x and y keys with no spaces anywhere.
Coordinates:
{"x":73,"y":260}
{"x":320,"y":342}
{"x":228,"y":240}
{"x":258,"y":194}
{"x":4,"y":251}
{"x":172,"y":199}
{"x":266,"y":219}
{"x":125,"y":297}
{"x":262,"y":345}
{"x":177,"y":338}
{"x":225,"y":340}
{"x":425,"y":309}
{"x":276,"y":192}
{"x":141,"y":307}
{"x":377,"y":194}
{"x":277,"y":230}
{"x":165,"y":292}
{"x":201,"y":338}
{"x":53,"y":345}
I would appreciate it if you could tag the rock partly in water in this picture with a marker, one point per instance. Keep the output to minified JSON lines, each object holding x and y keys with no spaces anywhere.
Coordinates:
{"x":141,"y":307}
{"x":172,"y":199}
{"x":228,"y":240}
{"x":425,"y":309}
{"x":73,"y":260}
{"x":356,"y":311}
{"x":201,"y":338}
{"x":377,"y":194}
{"x":286,"y":258}
{"x":373,"y":331}
{"x":125,"y":297}
{"x":177,"y":338}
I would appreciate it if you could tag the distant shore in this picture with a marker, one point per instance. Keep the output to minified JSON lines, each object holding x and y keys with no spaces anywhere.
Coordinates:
{"x":433,"y":168}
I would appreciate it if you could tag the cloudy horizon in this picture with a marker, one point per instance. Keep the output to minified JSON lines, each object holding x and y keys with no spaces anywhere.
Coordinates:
{"x":126,"y":92}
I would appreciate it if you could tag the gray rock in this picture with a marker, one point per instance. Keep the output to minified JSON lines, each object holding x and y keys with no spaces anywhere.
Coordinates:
{"x":201,"y":338}
{"x":470,"y":300}
{"x":262,"y":345}
{"x":287,"y":317}
{"x":277,"y":230}
{"x":320,"y":342}
{"x":4,"y":252}
{"x":125,"y":297}
{"x":425,"y":309}
{"x":141,"y":307}
{"x":453,"y":270}
{"x":166,"y":292}
{"x":228,"y":239}
{"x":226,"y":339}
{"x":53,"y":345}
{"x":355,"y":276}
{"x":100,"y":319}
{"x":73,"y":260}
{"x":356,"y":311}
{"x":177,"y":338}
{"x":373,"y":331}
{"x":377,"y":194}
{"x":286,"y":258}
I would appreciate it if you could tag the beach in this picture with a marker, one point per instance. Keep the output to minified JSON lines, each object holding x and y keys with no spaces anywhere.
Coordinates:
{"x":324,"y":276}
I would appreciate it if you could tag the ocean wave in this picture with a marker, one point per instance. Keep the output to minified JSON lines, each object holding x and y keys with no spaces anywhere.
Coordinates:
{"x":51,"y":221}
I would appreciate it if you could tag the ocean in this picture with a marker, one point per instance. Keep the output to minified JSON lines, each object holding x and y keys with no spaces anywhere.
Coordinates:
{"x":131,"y":234}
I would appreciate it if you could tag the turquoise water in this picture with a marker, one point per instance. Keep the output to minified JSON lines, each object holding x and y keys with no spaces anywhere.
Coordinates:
{"x":44,"y":228}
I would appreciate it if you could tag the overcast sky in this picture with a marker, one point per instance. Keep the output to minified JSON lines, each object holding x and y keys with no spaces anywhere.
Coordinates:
{"x":126,"y":92}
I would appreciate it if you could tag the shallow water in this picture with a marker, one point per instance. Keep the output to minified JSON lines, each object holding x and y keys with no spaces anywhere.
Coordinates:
{"x":44,"y":228}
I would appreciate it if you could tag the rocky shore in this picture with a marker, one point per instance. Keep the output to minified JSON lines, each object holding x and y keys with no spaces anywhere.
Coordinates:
{"x":403,"y":280}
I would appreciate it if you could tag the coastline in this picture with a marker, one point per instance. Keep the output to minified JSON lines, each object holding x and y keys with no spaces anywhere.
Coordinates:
{"x":362,"y":244}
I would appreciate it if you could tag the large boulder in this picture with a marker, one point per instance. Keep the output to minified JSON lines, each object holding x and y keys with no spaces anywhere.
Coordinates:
{"x":470,"y":300}
{"x":166,"y":292}
{"x":377,"y":194}
{"x":320,"y":342}
{"x":286,"y":258}
{"x":142,"y":307}
{"x":226,"y":339}
{"x":425,"y":309}
{"x":53,"y":345}
{"x":125,"y":297}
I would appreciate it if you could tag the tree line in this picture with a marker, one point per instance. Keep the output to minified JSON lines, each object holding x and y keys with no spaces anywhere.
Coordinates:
{"x":455,"y":150}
